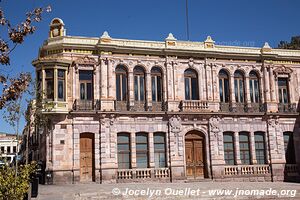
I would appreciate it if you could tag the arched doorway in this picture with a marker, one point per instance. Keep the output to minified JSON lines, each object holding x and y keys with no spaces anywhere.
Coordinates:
{"x":195,"y":155}
{"x":87,"y":157}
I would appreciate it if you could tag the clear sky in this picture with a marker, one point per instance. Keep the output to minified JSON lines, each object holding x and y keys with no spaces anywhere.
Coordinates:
{"x":231,"y":22}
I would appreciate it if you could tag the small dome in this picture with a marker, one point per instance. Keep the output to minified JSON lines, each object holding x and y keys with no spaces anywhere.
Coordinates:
{"x":57,"y":21}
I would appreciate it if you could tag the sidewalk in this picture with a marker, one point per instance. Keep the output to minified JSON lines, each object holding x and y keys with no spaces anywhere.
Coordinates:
{"x":197,"y":190}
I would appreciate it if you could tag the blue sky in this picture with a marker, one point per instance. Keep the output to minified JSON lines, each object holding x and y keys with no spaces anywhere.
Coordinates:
{"x":232,"y":22}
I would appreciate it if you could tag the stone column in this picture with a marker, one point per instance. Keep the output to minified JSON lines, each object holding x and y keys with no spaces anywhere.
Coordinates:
{"x":133,"y":150}
{"x":131,"y":89}
{"x":43,"y":83}
{"x":201,"y":83}
{"x":148,"y":91}
{"x":165,"y":87}
{"x":204,"y":83}
{"x":55,"y":83}
{"x":151,"y":150}
{"x":291,"y":86}
{"x":110,"y":82}
{"x":252,"y":148}
{"x":261,"y":90}
{"x":267,"y":85}
{"x":216,"y":96}
{"x":272,"y":83}
{"x":237,"y":148}
{"x":209,"y":83}
{"x":247,"y":91}
{"x":103,"y":80}
{"x":232,"y":92}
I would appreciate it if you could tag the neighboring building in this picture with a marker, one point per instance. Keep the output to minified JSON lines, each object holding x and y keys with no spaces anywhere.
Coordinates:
{"x":8,"y":146}
{"x":129,"y":110}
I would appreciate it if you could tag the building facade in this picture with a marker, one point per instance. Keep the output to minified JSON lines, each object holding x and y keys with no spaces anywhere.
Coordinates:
{"x":8,"y":147}
{"x":123,"y":110}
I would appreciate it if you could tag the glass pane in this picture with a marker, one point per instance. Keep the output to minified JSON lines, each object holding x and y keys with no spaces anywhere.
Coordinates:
{"x":49,"y":89}
{"x":256,"y":89}
{"x":236,"y":90}
{"x":280,"y":95}
{"x":49,"y":73}
{"x":160,"y":160}
{"x":141,"y":147}
{"x":124,"y":87}
{"x":124,"y":161}
{"x":159,"y":138}
{"x":226,"y":88}
{"x":61,"y":73}
{"x":89,"y":91}
{"x":159,"y":88}
{"x":123,"y":147}
{"x":251,"y":91}
{"x":194,"y":89}
{"x":285,"y":96}
{"x":123,"y":138}
{"x":221,"y":90}
{"x":142,"y":160}
{"x":153,"y":87}
{"x":187,"y":88}
{"x":82,"y":91}
{"x":241,"y":91}
{"x":86,"y":75}
{"x":159,"y":147}
{"x":142,"y":94}
{"x":141,"y":138}
{"x":61,"y":89}
{"x":136,"y":94}
{"x":118,"y":88}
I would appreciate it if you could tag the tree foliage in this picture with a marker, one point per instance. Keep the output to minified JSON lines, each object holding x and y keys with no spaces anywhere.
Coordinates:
{"x":11,"y":36}
{"x":293,"y":44}
{"x":14,"y":187}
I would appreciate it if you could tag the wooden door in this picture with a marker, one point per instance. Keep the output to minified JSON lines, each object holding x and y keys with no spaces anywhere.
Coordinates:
{"x":194,"y":152}
{"x":86,"y":157}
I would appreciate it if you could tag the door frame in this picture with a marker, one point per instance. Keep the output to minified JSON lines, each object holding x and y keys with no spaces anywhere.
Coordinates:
{"x":92,"y":136}
{"x":205,"y":147}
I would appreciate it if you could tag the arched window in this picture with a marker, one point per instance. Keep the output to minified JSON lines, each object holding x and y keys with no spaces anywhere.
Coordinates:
{"x":289,"y":148}
{"x":121,"y":83}
{"x":124,"y":152}
{"x":260,"y":151}
{"x":254,"y":87}
{"x":156,"y":84}
{"x":229,"y":155}
{"x":223,"y":86}
{"x":239,"y":86}
{"x":139,"y":83}
{"x":191,"y":85}
{"x":142,"y":158}
{"x":160,"y":150}
{"x":244,"y":148}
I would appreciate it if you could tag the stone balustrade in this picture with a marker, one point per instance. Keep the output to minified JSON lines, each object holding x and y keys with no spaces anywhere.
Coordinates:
{"x":147,"y":173}
{"x":246,"y":170}
{"x":194,"y":105}
{"x":291,"y":170}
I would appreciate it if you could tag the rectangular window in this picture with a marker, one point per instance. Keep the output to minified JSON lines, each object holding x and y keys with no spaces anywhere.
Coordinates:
{"x":86,"y":84}
{"x":159,"y":150}
{"x":228,"y":149}
{"x":8,"y":150}
{"x":14,"y":149}
{"x":124,"y":153}
{"x":283,"y":90}
{"x":142,"y":150}
{"x":49,"y":84}
{"x":260,"y":148}
{"x":187,"y":89}
{"x":61,"y":85}
{"x":153,"y":87}
{"x":2,"y":149}
{"x":244,"y":148}
{"x":136,"y":88}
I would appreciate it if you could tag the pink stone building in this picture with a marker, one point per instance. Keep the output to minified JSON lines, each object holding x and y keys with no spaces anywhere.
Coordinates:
{"x":124,"y":110}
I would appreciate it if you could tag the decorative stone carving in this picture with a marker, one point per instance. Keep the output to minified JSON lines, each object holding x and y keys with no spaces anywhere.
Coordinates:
{"x":86,"y":60}
{"x":191,"y":62}
{"x":214,"y":125}
{"x":283,"y":70}
{"x":175,"y":123}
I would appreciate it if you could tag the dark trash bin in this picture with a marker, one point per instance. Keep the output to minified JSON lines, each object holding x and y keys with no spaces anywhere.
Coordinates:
{"x":34,"y":187}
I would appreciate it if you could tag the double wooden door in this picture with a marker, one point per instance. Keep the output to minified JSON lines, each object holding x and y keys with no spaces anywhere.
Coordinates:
{"x":195,"y":157}
{"x":87,"y":168}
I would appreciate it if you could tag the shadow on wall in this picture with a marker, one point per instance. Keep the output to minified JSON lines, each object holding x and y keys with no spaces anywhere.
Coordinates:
{"x":292,"y":151}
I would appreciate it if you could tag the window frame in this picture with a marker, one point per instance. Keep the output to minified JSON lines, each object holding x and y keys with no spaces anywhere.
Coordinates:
{"x":85,"y":83}
{"x":263,"y":150}
{"x":123,"y":152}
{"x":191,"y":91}
{"x":63,"y":81}
{"x":160,"y":151}
{"x":144,"y":151}
{"x":138,"y":80}
{"x":281,"y":89}
{"x":47,"y":80}
{"x":229,"y":151}
{"x":121,"y":74}
{"x":156,"y":95}
{"x":223,"y":93}
{"x":254,"y":87}
{"x":245,"y":151}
